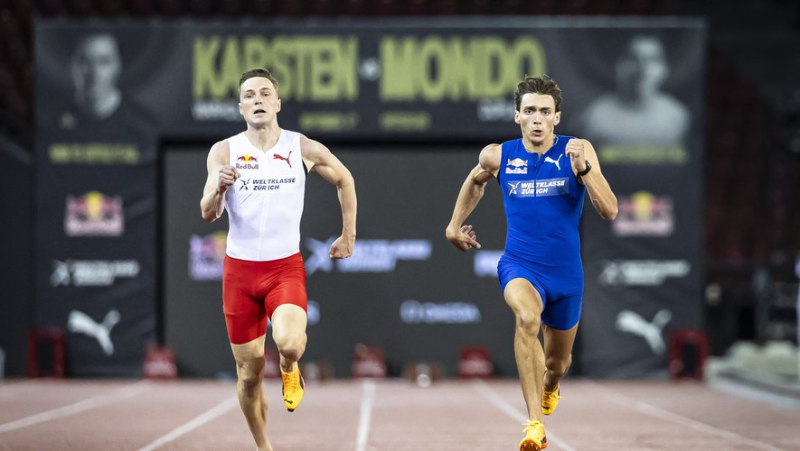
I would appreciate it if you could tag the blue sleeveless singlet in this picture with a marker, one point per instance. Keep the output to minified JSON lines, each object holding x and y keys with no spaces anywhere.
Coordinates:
{"x":543,"y":205}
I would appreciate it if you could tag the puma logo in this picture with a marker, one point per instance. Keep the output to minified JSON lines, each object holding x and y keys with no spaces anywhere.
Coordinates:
{"x":286,"y":159}
{"x":555,"y":162}
{"x":631,"y":322}
{"x":80,"y":322}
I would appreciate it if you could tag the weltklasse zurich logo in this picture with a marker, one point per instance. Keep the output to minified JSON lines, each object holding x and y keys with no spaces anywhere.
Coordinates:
{"x":369,"y":256}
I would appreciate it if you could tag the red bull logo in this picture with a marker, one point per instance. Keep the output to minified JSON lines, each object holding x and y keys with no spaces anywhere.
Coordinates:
{"x":644,"y":214}
{"x":247,"y":162}
{"x":207,"y":255}
{"x":94,"y":214}
{"x":517,"y":166}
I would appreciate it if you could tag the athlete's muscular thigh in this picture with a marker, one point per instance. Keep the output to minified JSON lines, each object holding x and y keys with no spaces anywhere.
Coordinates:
{"x":289,"y":328}
{"x":558,"y":347}
{"x":525,"y":301}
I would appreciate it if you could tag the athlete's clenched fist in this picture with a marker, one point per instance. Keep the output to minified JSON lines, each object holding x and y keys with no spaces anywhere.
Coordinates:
{"x":227,"y":177}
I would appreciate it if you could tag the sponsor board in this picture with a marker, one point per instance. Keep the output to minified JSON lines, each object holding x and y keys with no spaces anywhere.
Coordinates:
{"x":369,"y":256}
{"x":485,"y":264}
{"x":415,"y":312}
{"x":651,"y":331}
{"x":642,"y":272}
{"x":92,"y":273}
{"x":94,"y":214}
{"x":94,"y":153}
{"x":313,"y":313}
{"x":644,"y":214}
{"x":207,"y":256}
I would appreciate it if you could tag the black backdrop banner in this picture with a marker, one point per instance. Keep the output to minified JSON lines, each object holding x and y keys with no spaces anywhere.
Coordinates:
{"x":405,"y":289}
{"x":108,"y":93}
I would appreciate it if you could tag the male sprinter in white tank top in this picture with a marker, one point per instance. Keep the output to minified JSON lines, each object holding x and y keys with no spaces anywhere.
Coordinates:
{"x":259,"y":177}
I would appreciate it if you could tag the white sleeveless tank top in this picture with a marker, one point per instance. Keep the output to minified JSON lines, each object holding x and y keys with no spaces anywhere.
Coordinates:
{"x":266,"y":202}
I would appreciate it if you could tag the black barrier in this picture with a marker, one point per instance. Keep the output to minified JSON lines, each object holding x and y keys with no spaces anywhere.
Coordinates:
{"x":108,"y":92}
{"x":405,"y":289}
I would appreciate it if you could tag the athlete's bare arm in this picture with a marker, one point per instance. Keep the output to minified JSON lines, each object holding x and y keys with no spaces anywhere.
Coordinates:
{"x":603,"y":199}
{"x":221,"y":176}
{"x":318,"y":158}
{"x":463,"y":236}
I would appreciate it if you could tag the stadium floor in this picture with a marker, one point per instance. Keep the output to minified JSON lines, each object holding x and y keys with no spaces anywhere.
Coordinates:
{"x":365,"y":415}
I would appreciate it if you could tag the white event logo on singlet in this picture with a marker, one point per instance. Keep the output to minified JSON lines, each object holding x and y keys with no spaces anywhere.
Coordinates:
{"x":266,"y":202}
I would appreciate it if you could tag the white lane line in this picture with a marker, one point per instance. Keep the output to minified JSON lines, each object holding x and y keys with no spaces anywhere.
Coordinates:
{"x":193,"y":424}
{"x":78,"y":407}
{"x":366,"y":415}
{"x":743,"y":390}
{"x":615,"y":396}
{"x":494,"y":398}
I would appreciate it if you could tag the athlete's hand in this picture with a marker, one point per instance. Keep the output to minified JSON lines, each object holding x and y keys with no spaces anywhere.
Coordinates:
{"x":464,"y":238}
{"x":576,"y":154}
{"x":342,"y":247}
{"x":227,"y":177}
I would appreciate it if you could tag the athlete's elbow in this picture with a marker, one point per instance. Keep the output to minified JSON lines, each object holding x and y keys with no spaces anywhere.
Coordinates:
{"x":610,"y":213}
{"x":346,"y":182}
{"x":208,"y":216}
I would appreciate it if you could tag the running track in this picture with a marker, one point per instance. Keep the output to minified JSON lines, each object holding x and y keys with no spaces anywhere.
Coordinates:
{"x":356,"y":415}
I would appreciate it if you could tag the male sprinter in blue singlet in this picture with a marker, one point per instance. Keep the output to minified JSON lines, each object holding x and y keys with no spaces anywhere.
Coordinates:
{"x":543,"y":177}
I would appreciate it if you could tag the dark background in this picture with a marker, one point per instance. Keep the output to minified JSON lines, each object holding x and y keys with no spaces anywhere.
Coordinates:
{"x":750,"y":169}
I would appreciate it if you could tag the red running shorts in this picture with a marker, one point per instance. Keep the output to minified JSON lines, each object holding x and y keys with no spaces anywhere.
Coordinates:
{"x":251,"y":291}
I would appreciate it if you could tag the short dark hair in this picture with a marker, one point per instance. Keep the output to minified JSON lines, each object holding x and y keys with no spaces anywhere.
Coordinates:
{"x":258,"y":72}
{"x":543,"y":85}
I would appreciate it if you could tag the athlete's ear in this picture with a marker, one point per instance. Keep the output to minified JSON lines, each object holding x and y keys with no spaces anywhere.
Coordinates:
{"x":557,"y":119}
{"x":516,"y":116}
{"x":279,"y":105}
{"x":240,"y":109}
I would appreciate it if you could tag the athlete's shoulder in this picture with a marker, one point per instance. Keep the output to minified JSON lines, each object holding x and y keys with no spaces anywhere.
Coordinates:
{"x":490,"y":156}
{"x":292,"y":135}
{"x":308,"y":145}
{"x":220,"y":152}
{"x":219,"y":147}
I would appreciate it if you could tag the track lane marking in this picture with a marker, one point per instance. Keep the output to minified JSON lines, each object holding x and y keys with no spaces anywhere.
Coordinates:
{"x":365,"y":417}
{"x":192,"y":424}
{"x":78,"y":407}
{"x":494,"y":398}
{"x":657,"y":412}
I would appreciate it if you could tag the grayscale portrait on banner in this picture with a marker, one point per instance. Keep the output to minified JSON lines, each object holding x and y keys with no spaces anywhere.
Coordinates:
{"x":638,"y":110}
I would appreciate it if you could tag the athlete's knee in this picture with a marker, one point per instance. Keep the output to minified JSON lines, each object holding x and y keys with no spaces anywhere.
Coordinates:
{"x":558,"y":366}
{"x":528,"y":321}
{"x":291,"y":346}
{"x":250,"y":374}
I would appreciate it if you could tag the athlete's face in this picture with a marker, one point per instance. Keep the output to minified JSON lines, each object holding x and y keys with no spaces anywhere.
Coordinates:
{"x":537,"y":117}
{"x":643,"y":68}
{"x":96,"y":67}
{"x":258,"y":101}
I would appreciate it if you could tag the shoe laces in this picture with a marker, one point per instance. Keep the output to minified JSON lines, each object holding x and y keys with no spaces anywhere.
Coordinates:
{"x":555,"y":394}
{"x":530,"y":425}
{"x":290,"y":381}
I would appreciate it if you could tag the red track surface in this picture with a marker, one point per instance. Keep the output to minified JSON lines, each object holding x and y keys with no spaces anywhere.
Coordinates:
{"x":385,"y":415}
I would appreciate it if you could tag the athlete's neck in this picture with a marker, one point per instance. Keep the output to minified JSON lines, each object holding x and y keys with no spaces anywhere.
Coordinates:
{"x":263,"y":138}
{"x":539,"y":147}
